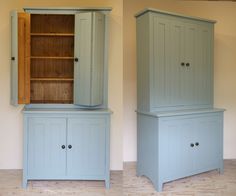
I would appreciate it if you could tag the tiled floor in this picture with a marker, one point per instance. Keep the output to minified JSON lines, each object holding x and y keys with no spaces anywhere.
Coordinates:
{"x":206,"y":184}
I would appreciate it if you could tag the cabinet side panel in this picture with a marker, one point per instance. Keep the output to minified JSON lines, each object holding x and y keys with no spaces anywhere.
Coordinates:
{"x":14,"y":58}
{"x":23,"y":58}
{"x":147,"y":163}
{"x":97,"y":81}
{"x":83,"y":51}
{"x":143,"y":62}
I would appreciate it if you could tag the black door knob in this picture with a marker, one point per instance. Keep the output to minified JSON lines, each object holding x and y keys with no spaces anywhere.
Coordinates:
{"x":76,"y":59}
{"x":182,"y":64}
{"x":63,"y":146}
{"x":69,"y":146}
{"x":196,"y":144}
{"x":192,"y":145}
{"x":187,"y":64}
{"x":13,"y":58}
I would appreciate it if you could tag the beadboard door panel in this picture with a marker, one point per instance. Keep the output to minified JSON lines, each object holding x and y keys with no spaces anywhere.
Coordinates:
{"x":46,"y":148}
{"x":87,"y":154}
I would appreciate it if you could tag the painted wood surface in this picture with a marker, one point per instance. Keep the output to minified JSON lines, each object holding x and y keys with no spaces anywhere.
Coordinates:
{"x":170,"y":148}
{"x":46,"y":152}
{"x":51,"y":51}
{"x":14,"y":58}
{"x":89,"y":49}
{"x":87,"y":155}
{"x":179,"y":132}
{"x":175,"y":63}
{"x":66,"y":145}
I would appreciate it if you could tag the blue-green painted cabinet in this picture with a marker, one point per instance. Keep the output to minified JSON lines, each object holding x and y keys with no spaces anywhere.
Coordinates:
{"x":59,"y":69}
{"x":58,"y":64}
{"x":66,"y":145}
{"x":174,"y":60}
{"x":179,"y":131}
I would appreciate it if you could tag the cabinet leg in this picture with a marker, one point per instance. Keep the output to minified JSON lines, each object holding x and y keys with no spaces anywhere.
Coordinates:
{"x":221,"y":170}
{"x":107,"y":184}
{"x":24,"y":183}
{"x":158,"y":186}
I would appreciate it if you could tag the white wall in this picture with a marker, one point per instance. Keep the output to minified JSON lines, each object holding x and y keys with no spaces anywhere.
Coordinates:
{"x":224,"y":66}
{"x":11,"y":129}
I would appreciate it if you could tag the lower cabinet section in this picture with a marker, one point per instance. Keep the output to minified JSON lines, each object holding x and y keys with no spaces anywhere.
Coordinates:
{"x":176,"y":146}
{"x":66,"y":146}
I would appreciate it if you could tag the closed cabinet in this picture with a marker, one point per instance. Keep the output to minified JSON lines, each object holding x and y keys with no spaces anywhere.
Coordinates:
{"x":179,"y":132}
{"x":59,"y":58}
{"x":178,"y":63}
{"x":69,"y":148}
{"x":189,"y":145}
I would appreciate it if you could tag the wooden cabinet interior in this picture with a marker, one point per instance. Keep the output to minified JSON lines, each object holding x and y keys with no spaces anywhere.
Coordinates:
{"x":23,"y":58}
{"x":51,"y":60}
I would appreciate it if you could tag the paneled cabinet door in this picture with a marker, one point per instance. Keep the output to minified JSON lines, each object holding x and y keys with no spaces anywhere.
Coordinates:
{"x":46,"y":148}
{"x":176,"y":152}
{"x":204,"y":69}
{"x":207,"y":143}
{"x":86,"y":143}
{"x":189,"y":77}
{"x":89,"y":59}
{"x":159,"y":74}
{"x":20,"y":58}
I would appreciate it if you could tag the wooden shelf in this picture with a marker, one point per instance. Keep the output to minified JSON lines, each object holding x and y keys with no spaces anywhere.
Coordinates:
{"x":51,"y":79}
{"x":51,"y":57}
{"x":52,"y":101}
{"x":53,"y":34}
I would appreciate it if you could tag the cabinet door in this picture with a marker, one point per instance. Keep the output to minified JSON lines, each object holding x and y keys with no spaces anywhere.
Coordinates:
{"x":20,"y":58}
{"x":191,"y":40}
{"x":46,"y":154}
{"x":177,"y":52}
{"x":208,"y":137}
{"x":204,"y":69}
{"x":176,"y":153}
{"x":159,"y":73}
{"x":87,"y":155}
{"x":89,"y":49}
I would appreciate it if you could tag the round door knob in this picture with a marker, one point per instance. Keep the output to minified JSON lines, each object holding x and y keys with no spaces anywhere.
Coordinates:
{"x":76,"y":59}
{"x":187,"y":64}
{"x":13,"y":58}
{"x":196,"y":144}
{"x":69,"y":146}
{"x":63,"y":146}
{"x":182,"y":64}
{"x":192,"y":145}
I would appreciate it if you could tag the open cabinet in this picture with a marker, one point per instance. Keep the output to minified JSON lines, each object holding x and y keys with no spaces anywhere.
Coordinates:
{"x":59,"y":70}
{"x":59,"y":58}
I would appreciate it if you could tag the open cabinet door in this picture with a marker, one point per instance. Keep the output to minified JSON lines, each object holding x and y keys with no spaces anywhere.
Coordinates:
{"x":20,"y":58}
{"x":89,"y":59}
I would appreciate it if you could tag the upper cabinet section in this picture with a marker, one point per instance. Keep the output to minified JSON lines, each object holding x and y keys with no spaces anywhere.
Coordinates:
{"x":60,"y":56}
{"x":175,"y":62}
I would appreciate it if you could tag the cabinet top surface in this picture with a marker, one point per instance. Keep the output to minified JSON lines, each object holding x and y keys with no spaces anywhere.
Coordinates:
{"x":172,"y":14}
{"x":181,"y":112}
{"x":66,"y":110}
{"x":67,"y":8}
